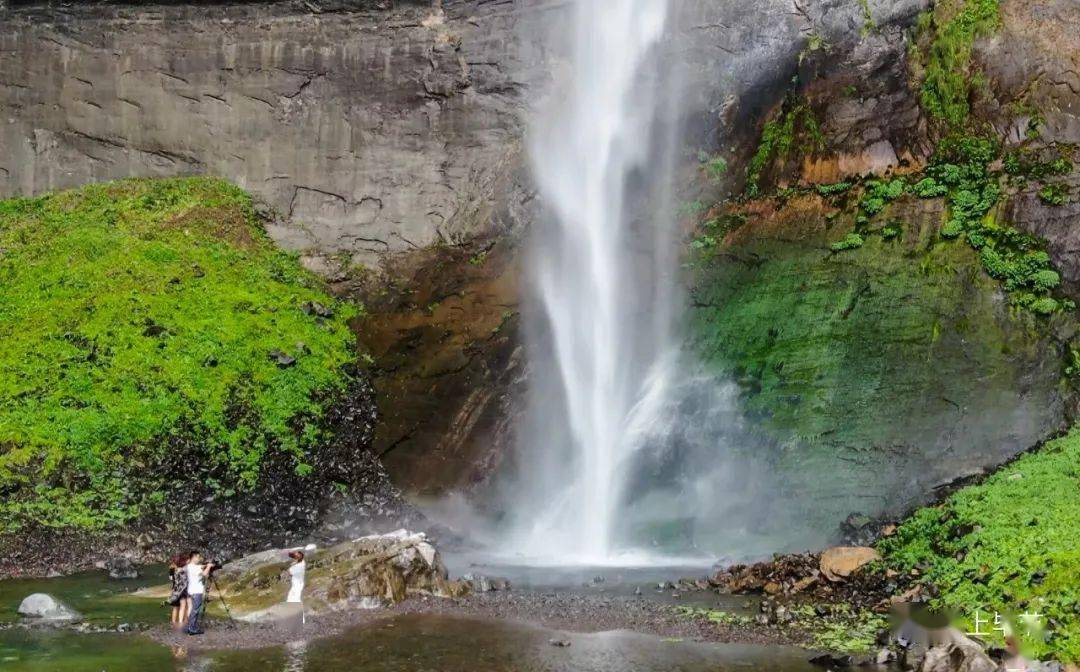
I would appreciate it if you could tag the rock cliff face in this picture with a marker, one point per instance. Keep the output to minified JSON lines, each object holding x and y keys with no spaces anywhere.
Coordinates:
{"x":375,"y":126}
{"x":865,"y":340}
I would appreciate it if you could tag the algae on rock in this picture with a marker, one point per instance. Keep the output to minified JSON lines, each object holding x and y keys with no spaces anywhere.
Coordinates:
{"x":876,"y":374}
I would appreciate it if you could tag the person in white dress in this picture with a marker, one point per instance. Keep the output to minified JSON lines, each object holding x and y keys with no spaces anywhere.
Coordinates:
{"x":297,"y":573}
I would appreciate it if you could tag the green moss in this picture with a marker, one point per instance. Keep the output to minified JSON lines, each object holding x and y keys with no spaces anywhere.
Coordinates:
{"x":948,"y":81}
{"x":855,"y":632}
{"x":713,"y":616}
{"x":1007,"y":545}
{"x":833,"y":354}
{"x":139,"y":311}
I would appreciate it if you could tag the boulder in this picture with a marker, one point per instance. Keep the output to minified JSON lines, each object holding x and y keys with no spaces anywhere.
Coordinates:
{"x":121,"y":569}
{"x":45,"y":608}
{"x":364,"y":573}
{"x":485,"y":584}
{"x":957,"y":654}
{"x":840,"y":562}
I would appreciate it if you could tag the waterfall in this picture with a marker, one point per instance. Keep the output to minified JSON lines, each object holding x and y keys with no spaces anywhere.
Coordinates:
{"x":601,"y":267}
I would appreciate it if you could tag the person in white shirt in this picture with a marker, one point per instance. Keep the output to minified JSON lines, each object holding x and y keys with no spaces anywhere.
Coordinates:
{"x":196,"y":575}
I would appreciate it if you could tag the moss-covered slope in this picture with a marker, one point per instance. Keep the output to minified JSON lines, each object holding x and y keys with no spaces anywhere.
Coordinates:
{"x":873,"y":371}
{"x":1007,"y":545}
{"x":153,"y":336}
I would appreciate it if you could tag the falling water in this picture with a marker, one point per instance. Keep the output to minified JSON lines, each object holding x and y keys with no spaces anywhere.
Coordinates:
{"x":602,"y":269}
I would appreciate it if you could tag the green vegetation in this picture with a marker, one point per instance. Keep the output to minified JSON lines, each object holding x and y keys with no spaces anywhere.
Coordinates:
{"x":779,"y":137}
{"x":1017,"y":259}
{"x":714,"y":615}
{"x":144,"y":317}
{"x":948,"y":82}
{"x":833,"y":189}
{"x":715,"y":166}
{"x":841,"y":628}
{"x":849,"y":242}
{"x":876,"y":195}
{"x":815,"y":42}
{"x":836,"y":627}
{"x":1006,"y":545}
{"x":1054,"y":193}
{"x":928,"y":187}
{"x":1026,"y":164}
{"x":869,"y":25}
{"x":813,"y":338}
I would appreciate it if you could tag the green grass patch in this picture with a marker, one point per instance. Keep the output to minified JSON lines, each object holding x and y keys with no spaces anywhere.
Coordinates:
{"x":1007,"y":545}
{"x":140,"y":311}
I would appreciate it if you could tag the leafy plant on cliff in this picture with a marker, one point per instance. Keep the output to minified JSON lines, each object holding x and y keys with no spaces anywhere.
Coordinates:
{"x":778,"y":138}
{"x":140,"y":311}
{"x":1027,"y":164}
{"x":961,"y":165}
{"x":1007,"y":545}
{"x":948,"y":82}
{"x":849,"y":242}
{"x":876,"y":195}
{"x":833,"y":189}
{"x":1054,"y":193}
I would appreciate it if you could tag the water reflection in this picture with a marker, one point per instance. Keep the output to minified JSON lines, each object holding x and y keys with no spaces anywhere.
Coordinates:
{"x":419,"y":643}
{"x":413,"y":643}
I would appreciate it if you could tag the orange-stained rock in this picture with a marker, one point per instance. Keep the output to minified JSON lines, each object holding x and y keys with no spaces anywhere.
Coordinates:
{"x":840,"y":562}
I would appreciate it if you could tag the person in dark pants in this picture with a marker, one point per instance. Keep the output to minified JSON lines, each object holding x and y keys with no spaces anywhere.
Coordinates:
{"x":197,"y":572}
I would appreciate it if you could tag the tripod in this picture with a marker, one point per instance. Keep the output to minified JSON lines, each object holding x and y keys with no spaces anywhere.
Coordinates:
{"x":221,"y":596}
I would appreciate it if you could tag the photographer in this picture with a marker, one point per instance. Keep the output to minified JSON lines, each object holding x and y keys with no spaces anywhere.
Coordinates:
{"x":197,"y":571}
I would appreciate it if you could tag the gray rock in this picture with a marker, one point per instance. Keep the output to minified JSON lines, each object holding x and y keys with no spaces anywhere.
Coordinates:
{"x":45,"y":608}
{"x":957,"y":654}
{"x":406,"y":138}
{"x":485,"y":584}
{"x":282,"y":359}
{"x":121,"y":569}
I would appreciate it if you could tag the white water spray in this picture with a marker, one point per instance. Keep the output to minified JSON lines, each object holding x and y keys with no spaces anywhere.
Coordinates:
{"x":602,"y":270}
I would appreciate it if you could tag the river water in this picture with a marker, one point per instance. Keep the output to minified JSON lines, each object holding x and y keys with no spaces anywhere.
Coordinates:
{"x":413,"y":643}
